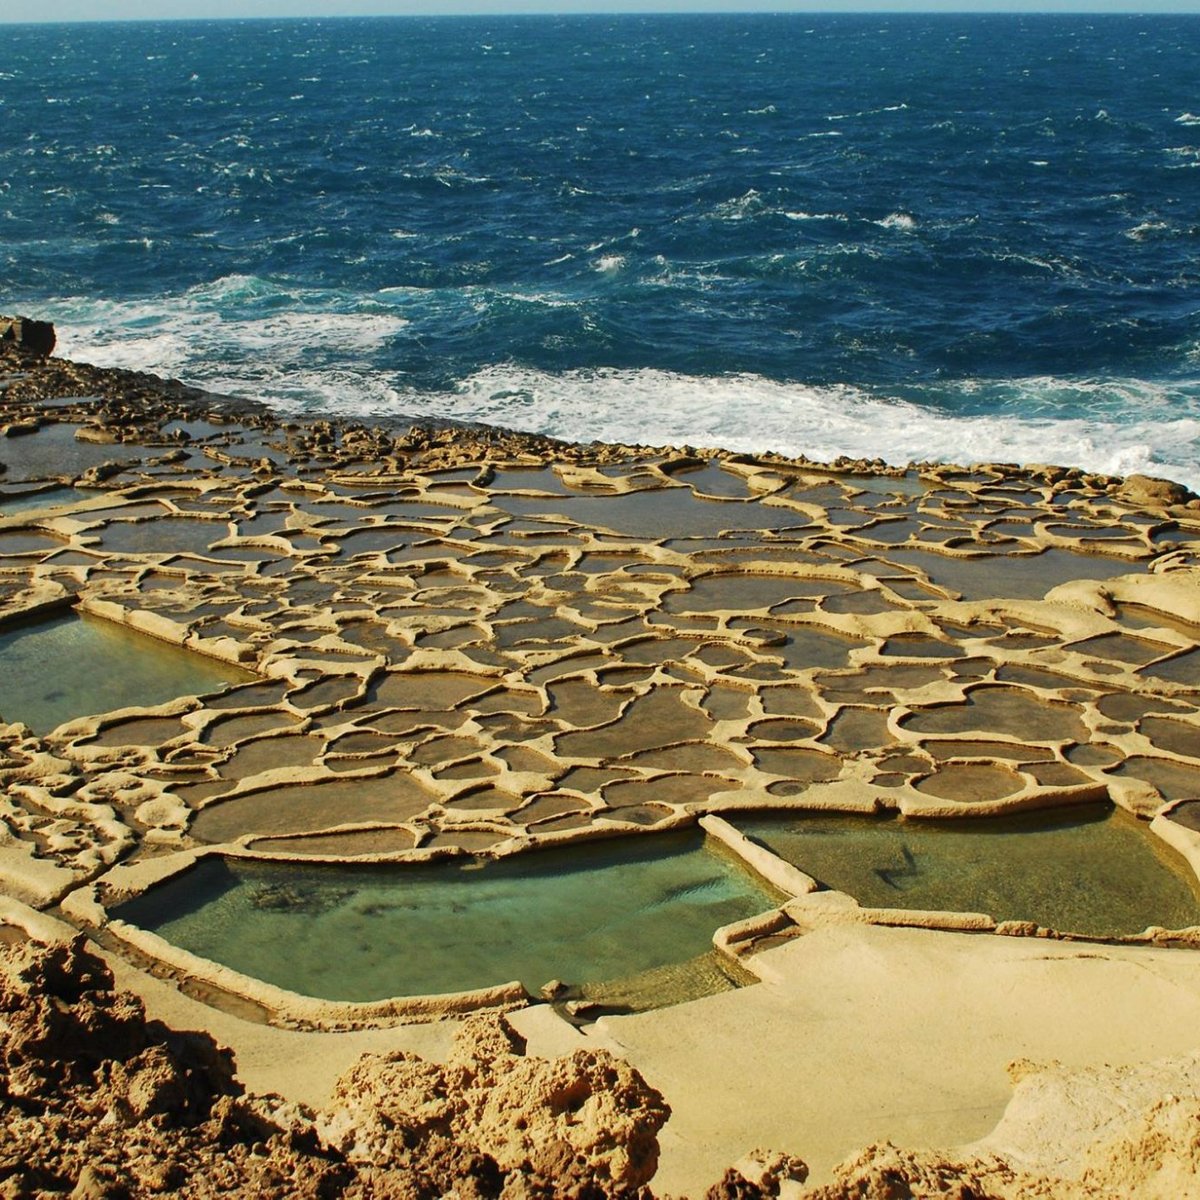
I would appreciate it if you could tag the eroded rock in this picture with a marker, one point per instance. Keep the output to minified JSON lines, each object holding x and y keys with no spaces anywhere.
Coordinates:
{"x":585,"y":1117}
{"x":34,"y":336}
{"x":1157,"y":493}
{"x":97,"y":1101}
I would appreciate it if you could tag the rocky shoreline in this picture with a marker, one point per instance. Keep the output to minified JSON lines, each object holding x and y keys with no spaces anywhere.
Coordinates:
{"x":605,"y":640}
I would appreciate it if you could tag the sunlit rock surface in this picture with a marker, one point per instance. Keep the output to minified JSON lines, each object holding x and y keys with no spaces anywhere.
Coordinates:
{"x":418,"y":642}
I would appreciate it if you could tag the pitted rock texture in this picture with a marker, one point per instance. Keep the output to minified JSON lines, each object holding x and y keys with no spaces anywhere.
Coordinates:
{"x":586,"y":1116}
{"x":97,"y":1101}
{"x":1094,"y":1134}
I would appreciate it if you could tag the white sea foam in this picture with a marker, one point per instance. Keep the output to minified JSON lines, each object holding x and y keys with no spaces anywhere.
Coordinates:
{"x":214,"y":323}
{"x":1139,"y":233}
{"x":749,"y":204}
{"x":819,"y":216}
{"x":211,"y":336}
{"x":866,"y":112}
{"x":1187,"y":118}
{"x":752,"y":414}
{"x":897,"y":220}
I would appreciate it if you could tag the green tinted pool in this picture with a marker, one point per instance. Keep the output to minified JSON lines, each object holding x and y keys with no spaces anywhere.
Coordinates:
{"x":1092,"y":871}
{"x":594,"y":912}
{"x":70,"y":666}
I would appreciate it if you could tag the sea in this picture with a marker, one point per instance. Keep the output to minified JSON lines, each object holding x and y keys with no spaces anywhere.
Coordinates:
{"x":907,"y":237}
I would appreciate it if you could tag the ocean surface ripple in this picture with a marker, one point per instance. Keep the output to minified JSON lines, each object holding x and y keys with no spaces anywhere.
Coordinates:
{"x":958,"y":237}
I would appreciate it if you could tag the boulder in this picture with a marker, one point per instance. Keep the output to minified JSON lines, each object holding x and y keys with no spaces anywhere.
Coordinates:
{"x":36,"y":336}
{"x":587,"y":1121}
{"x":1145,"y":490}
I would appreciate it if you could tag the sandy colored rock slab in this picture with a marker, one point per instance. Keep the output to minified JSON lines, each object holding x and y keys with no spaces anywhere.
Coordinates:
{"x":862,"y":1034}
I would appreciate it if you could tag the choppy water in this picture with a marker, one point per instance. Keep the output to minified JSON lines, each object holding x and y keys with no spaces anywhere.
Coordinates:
{"x":906,"y":236}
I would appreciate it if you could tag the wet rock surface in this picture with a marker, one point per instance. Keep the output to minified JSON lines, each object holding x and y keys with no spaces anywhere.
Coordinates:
{"x":474,"y":638}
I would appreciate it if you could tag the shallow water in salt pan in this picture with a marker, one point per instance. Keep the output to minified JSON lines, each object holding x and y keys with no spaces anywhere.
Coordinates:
{"x":70,"y":666}
{"x":596,"y":912}
{"x":1092,"y":870}
{"x":35,"y":500}
{"x":1028,"y":576}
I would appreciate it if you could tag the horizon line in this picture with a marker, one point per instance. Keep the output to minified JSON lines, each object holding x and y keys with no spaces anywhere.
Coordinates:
{"x":436,"y":9}
{"x":476,"y":13}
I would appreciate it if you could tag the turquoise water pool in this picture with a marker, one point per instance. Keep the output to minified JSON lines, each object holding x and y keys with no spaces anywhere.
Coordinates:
{"x":595,"y":912}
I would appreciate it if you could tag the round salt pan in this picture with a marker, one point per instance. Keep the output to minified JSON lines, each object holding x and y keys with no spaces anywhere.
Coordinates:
{"x":855,"y":729}
{"x":271,"y":754}
{"x":660,"y":718}
{"x":809,"y":766}
{"x":152,"y":731}
{"x":971,"y":783}
{"x":1009,"y":711}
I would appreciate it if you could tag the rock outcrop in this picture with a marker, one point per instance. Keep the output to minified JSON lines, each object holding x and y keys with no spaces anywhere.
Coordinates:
{"x":97,"y":1101}
{"x":35,"y":336}
{"x":1149,"y":492}
{"x":586,"y":1121}
{"x":1098,"y":1134}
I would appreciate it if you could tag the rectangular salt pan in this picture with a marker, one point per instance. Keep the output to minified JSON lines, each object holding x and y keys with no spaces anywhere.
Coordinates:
{"x":588,"y":913}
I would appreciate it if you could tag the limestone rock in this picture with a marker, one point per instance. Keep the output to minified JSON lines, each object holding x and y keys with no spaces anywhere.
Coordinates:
{"x":762,"y":1173}
{"x":1067,"y":1134}
{"x":1158,"y":1154}
{"x":885,"y":1172}
{"x":97,"y":1102}
{"x":586,"y":1117}
{"x":1154,"y":493}
{"x":36,"y":336}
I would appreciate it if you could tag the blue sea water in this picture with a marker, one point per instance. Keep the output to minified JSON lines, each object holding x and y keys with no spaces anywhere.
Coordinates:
{"x":958,"y":237}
